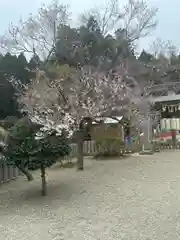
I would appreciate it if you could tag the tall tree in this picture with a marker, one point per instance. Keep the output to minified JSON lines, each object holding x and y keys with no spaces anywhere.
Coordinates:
{"x":8,"y":103}
{"x":78,"y":94}
{"x":11,"y":67}
{"x":145,"y":57}
{"x":86,"y":45}
{"x":15,"y":66}
{"x":38,"y":34}
{"x":135,"y":17}
{"x":34,"y":62}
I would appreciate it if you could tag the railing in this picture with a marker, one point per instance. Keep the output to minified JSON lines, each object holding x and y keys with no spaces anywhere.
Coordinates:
{"x":8,"y":173}
{"x":90,"y":149}
{"x":168,"y":146}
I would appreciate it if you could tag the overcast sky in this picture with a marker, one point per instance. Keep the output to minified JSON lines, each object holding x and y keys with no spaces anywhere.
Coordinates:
{"x":168,"y":15}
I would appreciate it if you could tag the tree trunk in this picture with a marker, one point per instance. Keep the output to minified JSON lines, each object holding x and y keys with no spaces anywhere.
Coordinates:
{"x":43,"y":178}
{"x":26,"y":173}
{"x":80,"y":160}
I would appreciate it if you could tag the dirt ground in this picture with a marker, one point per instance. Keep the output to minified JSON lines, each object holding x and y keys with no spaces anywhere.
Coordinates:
{"x":131,"y":199}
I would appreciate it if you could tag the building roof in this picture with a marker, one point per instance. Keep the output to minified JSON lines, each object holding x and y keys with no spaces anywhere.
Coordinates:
{"x":172,"y":97}
{"x":114,"y":119}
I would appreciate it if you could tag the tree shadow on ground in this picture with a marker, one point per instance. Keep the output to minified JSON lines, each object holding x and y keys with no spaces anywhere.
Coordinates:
{"x":29,"y":194}
{"x":64,"y":187}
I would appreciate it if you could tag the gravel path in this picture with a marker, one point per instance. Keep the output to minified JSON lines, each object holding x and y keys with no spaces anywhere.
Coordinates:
{"x":132,"y":199}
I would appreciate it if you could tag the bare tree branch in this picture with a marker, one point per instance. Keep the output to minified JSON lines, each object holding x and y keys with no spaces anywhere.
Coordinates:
{"x":85,"y":93}
{"x":38,"y":33}
{"x":161,"y":48}
{"x":136,"y":18}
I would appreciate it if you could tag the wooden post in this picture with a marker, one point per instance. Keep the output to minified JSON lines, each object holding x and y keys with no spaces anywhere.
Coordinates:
{"x":130,"y":127}
{"x":80,"y":140}
{"x":43,"y":180}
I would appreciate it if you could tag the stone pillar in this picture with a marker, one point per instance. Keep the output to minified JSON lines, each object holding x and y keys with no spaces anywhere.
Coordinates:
{"x":173,"y":132}
{"x":147,"y":137}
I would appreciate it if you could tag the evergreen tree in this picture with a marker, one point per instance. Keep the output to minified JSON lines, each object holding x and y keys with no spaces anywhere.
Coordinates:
{"x":16,"y":67}
{"x":145,"y":57}
{"x":87,"y":45}
{"x":34,"y":62}
{"x":27,"y":152}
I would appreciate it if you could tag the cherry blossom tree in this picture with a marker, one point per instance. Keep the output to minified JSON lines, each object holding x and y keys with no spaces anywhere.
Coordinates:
{"x":64,"y":101}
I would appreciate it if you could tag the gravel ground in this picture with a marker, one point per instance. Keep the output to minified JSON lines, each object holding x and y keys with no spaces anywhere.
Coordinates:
{"x":131,"y":199}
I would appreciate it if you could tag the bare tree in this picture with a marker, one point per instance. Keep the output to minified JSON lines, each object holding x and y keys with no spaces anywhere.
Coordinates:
{"x":136,"y":18}
{"x":163,"y":48}
{"x":163,"y":70}
{"x":38,"y":34}
{"x":106,"y":16}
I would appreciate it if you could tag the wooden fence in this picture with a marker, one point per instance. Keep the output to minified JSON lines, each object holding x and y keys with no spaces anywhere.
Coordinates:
{"x":90,"y":149}
{"x":8,"y":173}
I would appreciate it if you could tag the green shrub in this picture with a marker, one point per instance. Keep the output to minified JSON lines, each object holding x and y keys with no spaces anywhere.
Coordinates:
{"x":110,"y":147}
{"x":24,"y":150}
{"x":27,"y":152}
